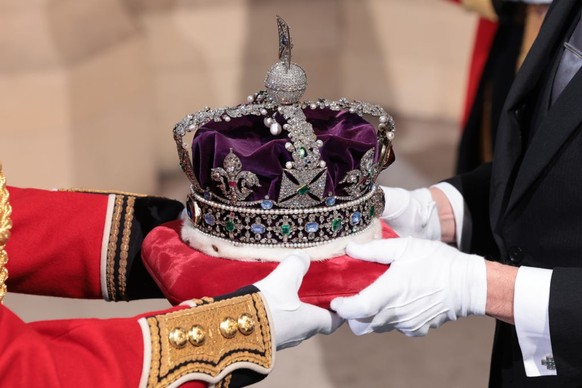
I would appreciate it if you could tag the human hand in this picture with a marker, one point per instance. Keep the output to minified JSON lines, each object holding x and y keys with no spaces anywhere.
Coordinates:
{"x":411,"y":213}
{"x":293,"y":320}
{"x":428,"y":283}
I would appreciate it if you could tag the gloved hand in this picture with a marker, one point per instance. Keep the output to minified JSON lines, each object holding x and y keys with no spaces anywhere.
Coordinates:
{"x":428,"y":283}
{"x":293,"y":320}
{"x":412,"y":213}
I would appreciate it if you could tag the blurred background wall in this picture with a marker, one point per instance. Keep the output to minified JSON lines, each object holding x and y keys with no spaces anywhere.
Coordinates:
{"x":90,"y":91}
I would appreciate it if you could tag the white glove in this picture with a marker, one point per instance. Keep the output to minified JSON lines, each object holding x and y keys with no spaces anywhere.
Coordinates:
{"x":293,"y":320}
{"x":427,"y":284}
{"x":412,"y":213}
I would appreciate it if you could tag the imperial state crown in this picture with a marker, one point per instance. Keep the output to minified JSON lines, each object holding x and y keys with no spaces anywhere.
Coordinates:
{"x":276,"y":172}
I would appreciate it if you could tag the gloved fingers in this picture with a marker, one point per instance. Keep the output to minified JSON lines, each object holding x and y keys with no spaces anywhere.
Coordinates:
{"x":281,"y":285}
{"x":379,"y":251}
{"x":396,"y":201}
{"x":325,"y":321}
{"x":361,"y":326}
{"x":367,"y":303}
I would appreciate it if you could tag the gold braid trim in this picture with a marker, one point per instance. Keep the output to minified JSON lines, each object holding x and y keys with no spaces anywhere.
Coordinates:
{"x":484,"y":8}
{"x":5,"y":226}
{"x":205,"y":340}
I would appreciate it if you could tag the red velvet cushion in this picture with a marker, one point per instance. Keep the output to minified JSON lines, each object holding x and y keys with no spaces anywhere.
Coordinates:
{"x":183,"y":273}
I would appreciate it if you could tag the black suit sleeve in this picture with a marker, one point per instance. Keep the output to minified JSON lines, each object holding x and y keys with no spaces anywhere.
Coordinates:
{"x":565,"y":311}
{"x":474,"y":186}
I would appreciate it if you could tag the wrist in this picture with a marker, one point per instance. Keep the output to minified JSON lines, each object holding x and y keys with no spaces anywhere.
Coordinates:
{"x":500,"y":291}
{"x":445,"y":215}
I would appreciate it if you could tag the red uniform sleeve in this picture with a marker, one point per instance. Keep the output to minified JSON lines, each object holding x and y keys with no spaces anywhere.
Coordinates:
{"x":185,"y":346}
{"x":82,"y":244}
{"x":56,"y":242}
{"x":71,"y":353}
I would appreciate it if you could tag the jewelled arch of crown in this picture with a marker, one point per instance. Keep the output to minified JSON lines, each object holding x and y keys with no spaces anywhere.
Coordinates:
{"x":302,"y":215}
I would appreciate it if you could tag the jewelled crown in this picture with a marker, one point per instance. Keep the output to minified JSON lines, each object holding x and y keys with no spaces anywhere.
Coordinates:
{"x":278,"y":172}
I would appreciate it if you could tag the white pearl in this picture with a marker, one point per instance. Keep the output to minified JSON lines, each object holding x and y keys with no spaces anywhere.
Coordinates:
{"x":251,"y":98}
{"x":268,"y":121}
{"x":226,"y":118}
{"x":286,"y":126}
{"x":275,"y":129}
{"x":289,"y":165}
{"x":313,"y":106}
{"x":263,"y":111}
{"x":390,"y":135}
{"x":322,"y":163}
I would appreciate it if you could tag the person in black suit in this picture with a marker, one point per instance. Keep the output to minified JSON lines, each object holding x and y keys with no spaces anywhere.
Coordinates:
{"x":518,"y":218}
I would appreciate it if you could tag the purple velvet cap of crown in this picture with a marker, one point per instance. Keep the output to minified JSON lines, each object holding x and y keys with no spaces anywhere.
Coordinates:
{"x":346,"y":138}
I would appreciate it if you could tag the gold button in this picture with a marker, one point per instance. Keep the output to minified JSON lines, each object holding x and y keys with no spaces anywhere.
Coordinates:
{"x":246,"y":324}
{"x":197,"y":335}
{"x":228,"y":327}
{"x":178,"y":338}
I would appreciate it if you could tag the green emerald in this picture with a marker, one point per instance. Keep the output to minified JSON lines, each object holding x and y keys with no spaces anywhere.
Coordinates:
{"x":302,"y":152}
{"x":303,"y":190}
{"x":229,"y":225}
{"x":286,"y":229}
{"x":372,"y":211}
{"x":336,"y":224}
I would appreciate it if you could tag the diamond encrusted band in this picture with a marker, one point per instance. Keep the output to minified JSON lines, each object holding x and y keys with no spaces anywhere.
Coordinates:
{"x":288,"y":228}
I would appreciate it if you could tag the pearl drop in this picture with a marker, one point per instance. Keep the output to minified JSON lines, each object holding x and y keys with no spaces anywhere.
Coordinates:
{"x":268,"y":121}
{"x":275,"y":129}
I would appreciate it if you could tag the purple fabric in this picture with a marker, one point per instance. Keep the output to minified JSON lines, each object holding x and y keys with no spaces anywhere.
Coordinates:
{"x":346,"y":138}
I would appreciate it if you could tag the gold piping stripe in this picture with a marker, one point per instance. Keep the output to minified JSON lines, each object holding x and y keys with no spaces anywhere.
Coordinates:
{"x":128,"y":221}
{"x":93,"y":191}
{"x":112,"y":247}
{"x":225,"y":383}
{"x":5,"y":226}
{"x":169,"y":363}
{"x":483,"y":7}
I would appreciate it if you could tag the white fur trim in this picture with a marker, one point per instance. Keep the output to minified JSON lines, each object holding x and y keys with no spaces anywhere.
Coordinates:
{"x":218,"y":247}
{"x":105,"y":245}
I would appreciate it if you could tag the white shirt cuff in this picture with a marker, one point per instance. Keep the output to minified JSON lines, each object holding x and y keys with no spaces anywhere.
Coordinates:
{"x":532,"y":323}
{"x":458,"y":204}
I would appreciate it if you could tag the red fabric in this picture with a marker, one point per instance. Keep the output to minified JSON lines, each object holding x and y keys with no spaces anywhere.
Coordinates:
{"x":483,"y":40}
{"x":71,"y":353}
{"x":55,"y":243}
{"x":183,"y":273}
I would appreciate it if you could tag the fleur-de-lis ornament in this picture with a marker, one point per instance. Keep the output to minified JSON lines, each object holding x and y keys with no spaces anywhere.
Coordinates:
{"x":234,"y":183}
{"x":359,"y":181}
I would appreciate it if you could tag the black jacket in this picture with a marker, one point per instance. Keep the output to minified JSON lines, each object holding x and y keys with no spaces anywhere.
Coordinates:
{"x":526,"y":206}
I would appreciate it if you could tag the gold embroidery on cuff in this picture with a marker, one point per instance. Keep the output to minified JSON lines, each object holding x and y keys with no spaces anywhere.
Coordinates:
{"x":112,"y":247}
{"x":172,"y":359}
{"x":5,"y":226}
{"x":123,"y":255}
